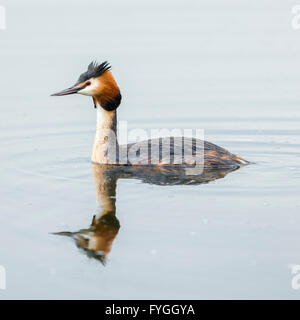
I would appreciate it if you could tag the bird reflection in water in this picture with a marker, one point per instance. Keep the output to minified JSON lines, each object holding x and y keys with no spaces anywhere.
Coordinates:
{"x":96,"y":241}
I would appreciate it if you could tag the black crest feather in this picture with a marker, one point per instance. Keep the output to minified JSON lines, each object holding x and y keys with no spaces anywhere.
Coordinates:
{"x":94,"y":70}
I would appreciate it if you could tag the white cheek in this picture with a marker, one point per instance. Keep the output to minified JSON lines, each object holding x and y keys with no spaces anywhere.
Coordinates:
{"x":88,"y":91}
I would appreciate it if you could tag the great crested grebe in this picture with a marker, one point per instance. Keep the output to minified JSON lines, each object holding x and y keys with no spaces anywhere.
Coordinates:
{"x":99,"y":83}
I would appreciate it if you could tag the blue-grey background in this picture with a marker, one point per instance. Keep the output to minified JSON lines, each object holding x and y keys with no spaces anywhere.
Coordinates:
{"x":229,"y":67}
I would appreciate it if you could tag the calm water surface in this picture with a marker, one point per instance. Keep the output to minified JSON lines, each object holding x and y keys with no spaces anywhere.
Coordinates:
{"x":231,"y":69}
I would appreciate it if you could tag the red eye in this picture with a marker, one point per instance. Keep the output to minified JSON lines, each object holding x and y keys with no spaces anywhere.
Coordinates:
{"x":88,"y":83}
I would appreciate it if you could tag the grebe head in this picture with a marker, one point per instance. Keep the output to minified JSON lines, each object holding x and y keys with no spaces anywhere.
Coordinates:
{"x":99,"y":83}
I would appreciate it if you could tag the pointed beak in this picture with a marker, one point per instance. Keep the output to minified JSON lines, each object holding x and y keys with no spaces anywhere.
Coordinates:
{"x":68,"y":91}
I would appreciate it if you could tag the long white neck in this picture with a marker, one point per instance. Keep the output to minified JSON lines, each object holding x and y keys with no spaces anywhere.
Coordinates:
{"x":105,"y":144}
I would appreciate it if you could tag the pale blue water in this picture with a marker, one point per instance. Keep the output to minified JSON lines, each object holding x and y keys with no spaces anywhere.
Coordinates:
{"x":230,"y":68}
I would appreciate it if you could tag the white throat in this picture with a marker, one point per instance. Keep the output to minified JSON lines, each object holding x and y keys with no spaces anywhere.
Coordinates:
{"x":104,"y":150}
